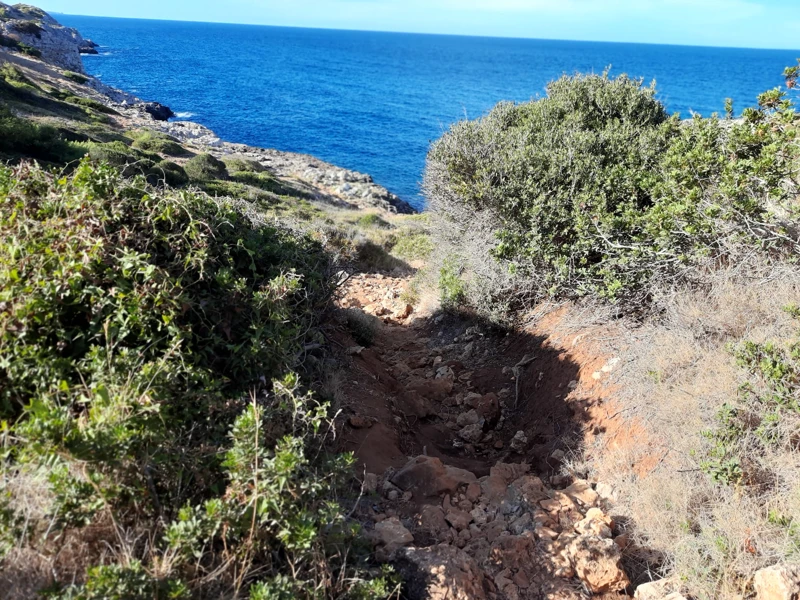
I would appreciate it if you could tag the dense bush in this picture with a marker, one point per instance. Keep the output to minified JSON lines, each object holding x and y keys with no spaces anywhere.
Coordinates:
{"x":170,"y":173}
{"x":92,"y":104}
{"x":205,"y":167}
{"x":13,"y":44}
{"x":130,"y":160}
{"x":141,"y":331}
{"x":237,"y":164}
{"x":20,"y":137}
{"x":595,"y":190}
{"x":154,"y":141}
{"x":76,"y":77}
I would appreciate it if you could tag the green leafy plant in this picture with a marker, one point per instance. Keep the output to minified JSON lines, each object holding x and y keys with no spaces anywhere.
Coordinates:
{"x":76,"y":77}
{"x":205,"y":167}
{"x":595,"y":190}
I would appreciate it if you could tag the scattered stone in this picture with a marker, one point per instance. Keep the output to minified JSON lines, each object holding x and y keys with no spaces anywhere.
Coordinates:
{"x":778,"y":583}
{"x":458,"y":518}
{"x":441,"y":573}
{"x":360,"y":422}
{"x":370,"y":483}
{"x":473,"y":492}
{"x":655,"y":590}
{"x":583,"y":493}
{"x":520,"y":442}
{"x":597,"y":563}
{"x":468,"y":418}
{"x":593,"y":526}
{"x":392,"y":534}
{"x":558,"y":455}
{"x":355,"y":350}
{"x":428,"y":477}
{"x":471,"y":433}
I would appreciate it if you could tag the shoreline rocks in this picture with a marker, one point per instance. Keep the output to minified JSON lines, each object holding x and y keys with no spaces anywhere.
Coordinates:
{"x":59,"y":45}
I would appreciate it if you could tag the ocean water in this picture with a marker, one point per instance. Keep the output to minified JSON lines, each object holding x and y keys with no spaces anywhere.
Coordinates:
{"x":373,"y":102}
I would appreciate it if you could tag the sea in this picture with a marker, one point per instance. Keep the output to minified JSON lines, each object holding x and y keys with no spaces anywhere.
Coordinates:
{"x":373,"y":102}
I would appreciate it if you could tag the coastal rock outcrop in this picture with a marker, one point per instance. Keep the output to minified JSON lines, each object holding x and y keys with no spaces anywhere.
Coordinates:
{"x":58,"y":45}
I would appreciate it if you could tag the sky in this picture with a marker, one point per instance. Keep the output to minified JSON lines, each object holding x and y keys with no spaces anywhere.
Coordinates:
{"x":740,"y":23}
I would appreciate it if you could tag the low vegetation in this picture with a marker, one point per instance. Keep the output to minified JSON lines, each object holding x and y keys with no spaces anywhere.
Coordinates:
{"x":595,"y":190}
{"x":151,"y":410}
{"x":689,"y":231}
{"x":154,"y":141}
{"x":205,"y":167}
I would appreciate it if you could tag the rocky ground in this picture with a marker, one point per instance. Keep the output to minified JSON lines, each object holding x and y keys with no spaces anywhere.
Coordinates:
{"x":463,"y":433}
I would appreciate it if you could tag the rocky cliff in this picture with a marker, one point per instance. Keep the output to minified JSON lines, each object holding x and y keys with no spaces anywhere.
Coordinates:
{"x":58,"y":45}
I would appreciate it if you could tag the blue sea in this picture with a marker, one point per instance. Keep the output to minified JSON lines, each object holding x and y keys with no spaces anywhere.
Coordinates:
{"x":373,"y":102}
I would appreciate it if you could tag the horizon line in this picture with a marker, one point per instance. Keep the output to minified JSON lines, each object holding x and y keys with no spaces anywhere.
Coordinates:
{"x":427,"y":33}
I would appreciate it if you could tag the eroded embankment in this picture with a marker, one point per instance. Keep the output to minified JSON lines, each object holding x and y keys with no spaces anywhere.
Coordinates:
{"x":466,"y":437}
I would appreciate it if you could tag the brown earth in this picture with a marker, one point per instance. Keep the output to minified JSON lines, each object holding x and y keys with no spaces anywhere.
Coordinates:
{"x":464,"y":433}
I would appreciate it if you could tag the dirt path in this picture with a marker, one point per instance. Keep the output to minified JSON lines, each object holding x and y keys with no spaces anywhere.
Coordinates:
{"x":464,"y":434}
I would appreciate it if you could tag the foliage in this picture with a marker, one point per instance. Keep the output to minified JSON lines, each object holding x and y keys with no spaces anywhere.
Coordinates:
{"x":76,"y":77}
{"x":413,"y":246}
{"x":27,"y":28}
{"x":92,"y":104}
{"x":204,"y":167}
{"x":42,"y":142}
{"x":130,"y":160}
{"x":236,"y":164}
{"x":594,"y":189}
{"x":172,"y":174}
{"x":372,"y":220}
{"x":136,"y":321}
{"x":364,"y":327}
{"x":154,"y":141}
{"x":767,"y":414}
{"x":11,"y":43}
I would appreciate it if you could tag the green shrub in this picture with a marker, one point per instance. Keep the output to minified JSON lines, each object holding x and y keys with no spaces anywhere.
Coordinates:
{"x":205,"y":167}
{"x":13,"y":44}
{"x":595,"y":190}
{"x":27,"y":28}
{"x":147,"y":343}
{"x":129,"y":160}
{"x":372,"y":220}
{"x":14,"y":76}
{"x":153,"y":141}
{"x":76,"y":77}
{"x":413,"y":246}
{"x":237,"y":164}
{"x":364,"y":327}
{"x":451,"y":285}
{"x":170,"y":173}
{"x":23,"y":138}
{"x":767,"y":414}
{"x":91,"y":104}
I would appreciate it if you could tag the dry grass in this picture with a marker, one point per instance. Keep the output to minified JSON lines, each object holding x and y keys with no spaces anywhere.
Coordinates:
{"x":677,"y":374}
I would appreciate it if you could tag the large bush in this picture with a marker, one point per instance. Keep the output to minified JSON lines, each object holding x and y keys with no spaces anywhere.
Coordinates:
{"x":140,"y":333}
{"x":205,"y":167}
{"x":20,"y":137}
{"x":594,"y":189}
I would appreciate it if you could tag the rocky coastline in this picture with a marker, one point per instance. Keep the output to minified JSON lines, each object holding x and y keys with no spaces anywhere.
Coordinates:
{"x":56,"y":47}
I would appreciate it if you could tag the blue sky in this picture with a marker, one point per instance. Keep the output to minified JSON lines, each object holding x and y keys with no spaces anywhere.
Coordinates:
{"x":744,"y":23}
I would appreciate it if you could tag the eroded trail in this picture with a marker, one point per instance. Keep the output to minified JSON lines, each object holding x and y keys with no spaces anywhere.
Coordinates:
{"x":464,"y":434}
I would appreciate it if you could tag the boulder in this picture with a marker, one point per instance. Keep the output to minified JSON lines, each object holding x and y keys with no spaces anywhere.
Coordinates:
{"x":428,"y":477}
{"x":778,"y":583}
{"x":392,"y":534}
{"x":596,"y":562}
{"x":441,"y":573}
{"x":158,"y":111}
